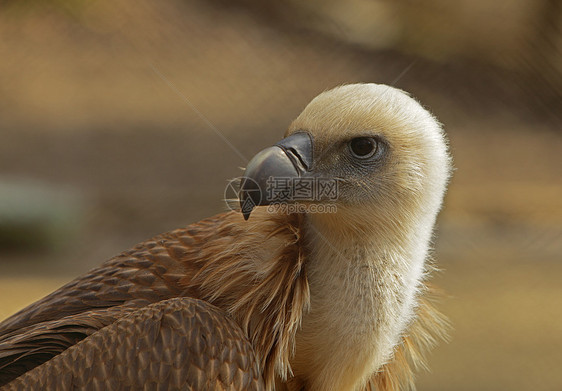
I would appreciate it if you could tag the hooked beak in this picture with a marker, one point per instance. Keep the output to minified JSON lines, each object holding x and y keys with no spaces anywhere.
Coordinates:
{"x":270,"y":173}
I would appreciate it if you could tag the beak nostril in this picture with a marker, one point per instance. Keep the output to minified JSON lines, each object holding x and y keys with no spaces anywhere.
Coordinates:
{"x":299,"y":148}
{"x":297,"y":159}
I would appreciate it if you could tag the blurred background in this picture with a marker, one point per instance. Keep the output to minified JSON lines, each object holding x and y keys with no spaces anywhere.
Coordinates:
{"x":113,"y":114}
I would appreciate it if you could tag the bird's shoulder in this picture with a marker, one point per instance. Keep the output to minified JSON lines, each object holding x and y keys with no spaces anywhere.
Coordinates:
{"x":150,"y":272}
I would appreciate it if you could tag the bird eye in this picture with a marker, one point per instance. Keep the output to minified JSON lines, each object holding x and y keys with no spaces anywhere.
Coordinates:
{"x":363,"y":147}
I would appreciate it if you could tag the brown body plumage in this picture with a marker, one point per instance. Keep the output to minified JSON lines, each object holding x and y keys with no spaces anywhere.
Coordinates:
{"x":253,"y":288}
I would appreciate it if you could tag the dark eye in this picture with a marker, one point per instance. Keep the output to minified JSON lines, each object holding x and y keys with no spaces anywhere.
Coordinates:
{"x":363,"y":147}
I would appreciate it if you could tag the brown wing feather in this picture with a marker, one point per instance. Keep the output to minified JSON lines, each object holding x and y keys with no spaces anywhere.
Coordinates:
{"x":261,"y":281}
{"x":33,"y":345}
{"x":179,"y":343}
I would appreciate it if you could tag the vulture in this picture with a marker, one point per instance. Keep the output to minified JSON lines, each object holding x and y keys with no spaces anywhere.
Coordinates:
{"x":317,"y":282}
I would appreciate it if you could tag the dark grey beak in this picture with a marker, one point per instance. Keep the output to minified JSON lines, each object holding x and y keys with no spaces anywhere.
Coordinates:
{"x":273,"y":169}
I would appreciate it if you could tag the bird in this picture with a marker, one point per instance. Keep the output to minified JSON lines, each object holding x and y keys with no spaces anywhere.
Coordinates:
{"x":319,"y":281}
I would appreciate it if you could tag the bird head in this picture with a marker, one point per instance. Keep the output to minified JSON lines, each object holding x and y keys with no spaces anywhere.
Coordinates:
{"x":370,"y":151}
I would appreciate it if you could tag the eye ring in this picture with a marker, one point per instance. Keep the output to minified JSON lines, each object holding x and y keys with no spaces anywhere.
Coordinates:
{"x":363,"y":147}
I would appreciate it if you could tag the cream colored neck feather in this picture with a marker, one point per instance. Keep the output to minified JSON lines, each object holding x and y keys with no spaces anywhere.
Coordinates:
{"x":363,"y":295}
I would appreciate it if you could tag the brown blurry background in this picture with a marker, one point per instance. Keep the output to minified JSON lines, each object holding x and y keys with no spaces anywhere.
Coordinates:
{"x":113,"y":114}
